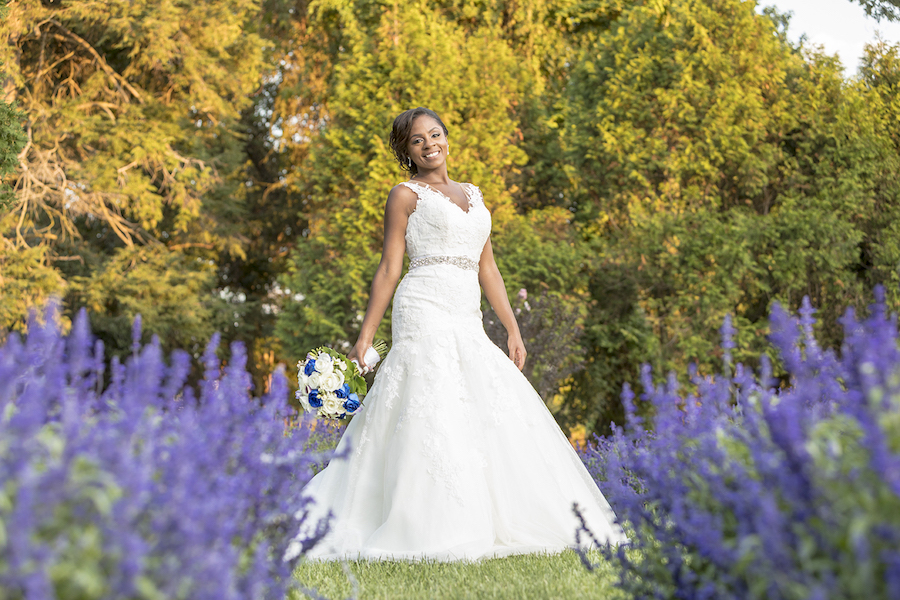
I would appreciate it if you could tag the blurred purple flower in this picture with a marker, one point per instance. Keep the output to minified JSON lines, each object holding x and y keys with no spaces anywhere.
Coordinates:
{"x":127,"y":481}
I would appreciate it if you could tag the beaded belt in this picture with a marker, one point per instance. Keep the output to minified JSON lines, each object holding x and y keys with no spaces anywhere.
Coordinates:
{"x":463,"y":262}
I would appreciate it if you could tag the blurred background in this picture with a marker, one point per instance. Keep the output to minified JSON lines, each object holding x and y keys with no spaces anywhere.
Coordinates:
{"x":651,"y":166}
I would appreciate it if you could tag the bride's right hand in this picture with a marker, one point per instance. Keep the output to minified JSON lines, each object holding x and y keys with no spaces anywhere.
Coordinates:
{"x":358,"y":353}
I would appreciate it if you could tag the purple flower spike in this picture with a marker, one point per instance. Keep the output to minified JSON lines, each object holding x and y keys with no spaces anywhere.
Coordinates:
{"x":139,"y":480}
{"x":748,"y":490}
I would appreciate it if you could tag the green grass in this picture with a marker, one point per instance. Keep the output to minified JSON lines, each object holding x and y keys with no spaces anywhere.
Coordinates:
{"x":538,"y":577}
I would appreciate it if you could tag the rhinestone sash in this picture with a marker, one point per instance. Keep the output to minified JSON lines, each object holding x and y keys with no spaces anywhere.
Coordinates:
{"x":463,"y":262}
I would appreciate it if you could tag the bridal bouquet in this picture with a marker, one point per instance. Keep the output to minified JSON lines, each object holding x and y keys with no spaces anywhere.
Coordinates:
{"x":331,"y":385}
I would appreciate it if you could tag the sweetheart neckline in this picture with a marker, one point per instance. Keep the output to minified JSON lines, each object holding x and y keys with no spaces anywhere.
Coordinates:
{"x":471,"y":203}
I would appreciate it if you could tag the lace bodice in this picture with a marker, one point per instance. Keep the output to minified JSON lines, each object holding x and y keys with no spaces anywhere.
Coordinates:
{"x":439,"y":227}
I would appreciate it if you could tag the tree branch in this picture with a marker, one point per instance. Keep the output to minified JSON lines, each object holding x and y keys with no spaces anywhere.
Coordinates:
{"x":123,"y":83}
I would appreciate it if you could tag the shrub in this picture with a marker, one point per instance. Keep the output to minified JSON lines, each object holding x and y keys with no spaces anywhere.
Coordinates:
{"x":745,"y":490}
{"x":129,"y":484}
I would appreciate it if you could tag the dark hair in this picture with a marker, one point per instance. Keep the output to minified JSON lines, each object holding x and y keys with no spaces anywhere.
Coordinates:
{"x":400,"y":135}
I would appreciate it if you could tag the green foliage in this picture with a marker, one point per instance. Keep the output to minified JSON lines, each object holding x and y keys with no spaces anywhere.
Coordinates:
{"x":12,"y":140}
{"x":881,"y":9}
{"x":717,"y":170}
{"x":539,"y":252}
{"x":134,"y":142}
{"x":172,"y":291}
{"x":26,"y":282}
{"x":650,"y":167}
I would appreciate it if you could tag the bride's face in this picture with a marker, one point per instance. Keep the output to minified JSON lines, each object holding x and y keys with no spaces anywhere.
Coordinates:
{"x":427,"y":144}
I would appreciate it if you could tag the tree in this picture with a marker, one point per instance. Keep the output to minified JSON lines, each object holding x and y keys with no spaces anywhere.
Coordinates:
{"x":24,"y":279}
{"x":881,"y":9}
{"x":134,"y":153}
{"x":718,"y":170}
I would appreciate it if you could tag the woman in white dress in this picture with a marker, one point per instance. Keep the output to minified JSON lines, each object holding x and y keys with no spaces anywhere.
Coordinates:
{"x":454,"y":456}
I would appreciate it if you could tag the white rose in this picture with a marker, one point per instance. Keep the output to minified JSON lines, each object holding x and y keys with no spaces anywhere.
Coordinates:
{"x":302,"y":379}
{"x":332,"y":381}
{"x":313,"y":380}
{"x":332,"y":404}
{"x":342,"y":365}
{"x":324,"y":364}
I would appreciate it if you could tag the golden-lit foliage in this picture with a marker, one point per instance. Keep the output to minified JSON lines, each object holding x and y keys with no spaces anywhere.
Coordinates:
{"x":650,"y":166}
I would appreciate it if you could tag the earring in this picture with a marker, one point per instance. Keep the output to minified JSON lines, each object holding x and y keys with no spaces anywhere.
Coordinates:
{"x":409,"y":162}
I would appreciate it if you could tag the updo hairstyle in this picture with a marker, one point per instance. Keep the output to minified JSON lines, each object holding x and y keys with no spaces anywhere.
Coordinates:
{"x":400,"y":135}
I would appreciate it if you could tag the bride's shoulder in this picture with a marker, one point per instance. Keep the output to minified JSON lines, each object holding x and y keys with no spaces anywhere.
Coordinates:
{"x":402,"y":190}
{"x":401,"y":196}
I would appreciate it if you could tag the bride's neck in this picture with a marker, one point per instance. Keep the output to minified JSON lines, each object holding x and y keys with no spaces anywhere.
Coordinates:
{"x":435,"y":177}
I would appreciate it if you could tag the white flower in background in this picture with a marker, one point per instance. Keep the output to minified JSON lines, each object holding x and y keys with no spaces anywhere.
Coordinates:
{"x":324,"y":364}
{"x":332,"y":381}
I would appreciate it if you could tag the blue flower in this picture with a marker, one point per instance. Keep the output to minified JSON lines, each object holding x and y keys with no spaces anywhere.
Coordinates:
{"x":314,"y":399}
{"x":309,"y":367}
{"x":352,"y":403}
{"x":343,"y":391}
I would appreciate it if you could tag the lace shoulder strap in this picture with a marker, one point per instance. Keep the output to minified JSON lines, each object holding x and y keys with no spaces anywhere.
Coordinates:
{"x":418,"y":188}
{"x":473,"y":192}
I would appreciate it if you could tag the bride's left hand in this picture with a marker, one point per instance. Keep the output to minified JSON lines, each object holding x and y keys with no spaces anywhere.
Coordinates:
{"x":517,"y":352}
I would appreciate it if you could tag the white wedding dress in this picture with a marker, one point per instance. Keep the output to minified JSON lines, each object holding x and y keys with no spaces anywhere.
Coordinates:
{"x":453,"y":456}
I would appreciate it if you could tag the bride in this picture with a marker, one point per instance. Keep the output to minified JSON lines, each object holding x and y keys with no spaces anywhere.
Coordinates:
{"x":454,"y":456}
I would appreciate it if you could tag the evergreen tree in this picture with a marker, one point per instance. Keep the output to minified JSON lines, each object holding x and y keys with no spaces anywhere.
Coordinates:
{"x":133,"y":165}
{"x":25,"y":282}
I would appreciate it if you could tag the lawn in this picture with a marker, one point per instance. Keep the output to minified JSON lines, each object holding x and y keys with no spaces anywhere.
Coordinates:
{"x":514,"y":578}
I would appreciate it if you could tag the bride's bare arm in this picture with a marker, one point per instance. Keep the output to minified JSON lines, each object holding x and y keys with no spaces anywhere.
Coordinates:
{"x":495,"y":290}
{"x":400,"y":204}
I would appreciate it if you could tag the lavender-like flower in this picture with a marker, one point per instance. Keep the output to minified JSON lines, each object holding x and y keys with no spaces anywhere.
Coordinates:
{"x":742,"y":490}
{"x":125,"y":483}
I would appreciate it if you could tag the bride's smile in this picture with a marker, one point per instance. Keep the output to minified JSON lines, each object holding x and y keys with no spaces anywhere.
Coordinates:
{"x":427,"y":145}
